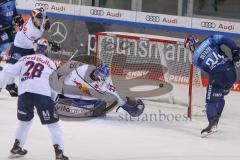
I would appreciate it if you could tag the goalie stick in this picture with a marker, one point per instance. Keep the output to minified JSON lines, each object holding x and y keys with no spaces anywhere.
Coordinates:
{"x":110,"y":107}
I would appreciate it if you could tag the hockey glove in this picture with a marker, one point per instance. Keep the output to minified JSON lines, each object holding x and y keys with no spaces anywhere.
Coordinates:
{"x":54,"y":46}
{"x":236,"y":55}
{"x":47,"y":24}
{"x":134,"y":107}
{"x":18,"y":21}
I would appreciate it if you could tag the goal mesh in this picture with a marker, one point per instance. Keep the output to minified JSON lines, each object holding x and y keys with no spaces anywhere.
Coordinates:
{"x":148,"y":60}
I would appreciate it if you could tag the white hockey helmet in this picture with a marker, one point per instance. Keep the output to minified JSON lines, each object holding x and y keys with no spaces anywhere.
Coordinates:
{"x":38,"y":15}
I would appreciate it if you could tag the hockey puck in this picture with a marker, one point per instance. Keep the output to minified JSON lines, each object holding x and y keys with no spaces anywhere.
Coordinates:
{"x":160,"y":85}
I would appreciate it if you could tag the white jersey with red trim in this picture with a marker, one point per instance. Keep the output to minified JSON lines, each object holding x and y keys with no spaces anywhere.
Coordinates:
{"x":76,"y":78}
{"x":33,"y":72}
{"x":28,"y":34}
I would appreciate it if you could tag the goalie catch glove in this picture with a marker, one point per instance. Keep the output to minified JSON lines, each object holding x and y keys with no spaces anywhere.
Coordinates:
{"x":236,"y":55}
{"x":18,"y":20}
{"x":54,"y":46}
{"x":134,"y":107}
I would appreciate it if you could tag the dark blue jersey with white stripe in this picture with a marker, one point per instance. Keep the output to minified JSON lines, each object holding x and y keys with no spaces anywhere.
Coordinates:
{"x":7,"y":12}
{"x":209,"y":57}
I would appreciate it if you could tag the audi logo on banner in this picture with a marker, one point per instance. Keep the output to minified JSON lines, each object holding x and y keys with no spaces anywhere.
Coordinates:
{"x":150,"y":18}
{"x":208,"y":24}
{"x":44,"y":5}
{"x":97,"y":12}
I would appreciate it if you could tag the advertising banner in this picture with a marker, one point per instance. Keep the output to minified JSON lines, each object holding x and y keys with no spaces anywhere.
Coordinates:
{"x":216,"y":25}
{"x":70,"y":31}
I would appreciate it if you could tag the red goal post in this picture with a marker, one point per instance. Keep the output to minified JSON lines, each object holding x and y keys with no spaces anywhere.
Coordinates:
{"x":153,"y":59}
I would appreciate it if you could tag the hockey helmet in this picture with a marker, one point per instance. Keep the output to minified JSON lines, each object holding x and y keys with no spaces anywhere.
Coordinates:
{"x":38,"y":16}
{"x":38,"y":13}
{"x":102,"y":72}
{"x":41,"y":46}
{"x":190,"y":42}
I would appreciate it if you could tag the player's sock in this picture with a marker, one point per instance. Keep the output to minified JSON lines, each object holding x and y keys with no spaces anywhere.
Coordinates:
{"x":12,"y":89}
{"x":17,"y":151}
{"x":59,"y":153}
{"x":22,"y":131}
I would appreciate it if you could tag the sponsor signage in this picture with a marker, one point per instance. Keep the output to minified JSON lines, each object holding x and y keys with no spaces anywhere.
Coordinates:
{"x":42,"y":4}
{"x":60,"y":8}
{"x":52,"y":7}
{"x":108,"y":13}
{"x":215,"y":25}
{"x":133,"y":16}
{"x":162,"y":19}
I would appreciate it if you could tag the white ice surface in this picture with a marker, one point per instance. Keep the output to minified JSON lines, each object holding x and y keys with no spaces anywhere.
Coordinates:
{"x":117,"y":138}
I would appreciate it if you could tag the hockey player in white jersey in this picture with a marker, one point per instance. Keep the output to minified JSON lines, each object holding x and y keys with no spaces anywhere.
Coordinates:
{"x":23,"y":44}
{"x":86,"y":90}
{"x":34,"y":91}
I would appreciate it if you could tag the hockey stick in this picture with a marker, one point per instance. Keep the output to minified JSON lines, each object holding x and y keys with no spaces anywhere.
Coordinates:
{"x":5,"y":28}
{"x":76,"y":51}
{"x":110,"y":107}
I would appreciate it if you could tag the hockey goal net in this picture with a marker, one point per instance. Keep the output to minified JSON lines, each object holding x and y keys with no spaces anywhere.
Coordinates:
{"x":151,"y":67}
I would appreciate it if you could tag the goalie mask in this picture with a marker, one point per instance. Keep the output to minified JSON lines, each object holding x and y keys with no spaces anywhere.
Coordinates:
{"x":190,"y":42}
{"x":102,"y":72}
{"x":41,"y":46}
{"x":38,"y":15}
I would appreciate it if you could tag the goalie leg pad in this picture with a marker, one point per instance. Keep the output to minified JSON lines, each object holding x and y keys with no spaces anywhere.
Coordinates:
{"x":78,"y":108}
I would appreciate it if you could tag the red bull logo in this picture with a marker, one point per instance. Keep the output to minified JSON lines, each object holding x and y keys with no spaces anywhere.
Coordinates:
{"x":82,"y":87}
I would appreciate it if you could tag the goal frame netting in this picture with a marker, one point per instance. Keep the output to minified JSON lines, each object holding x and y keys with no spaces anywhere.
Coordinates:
{"x":153,"y":39}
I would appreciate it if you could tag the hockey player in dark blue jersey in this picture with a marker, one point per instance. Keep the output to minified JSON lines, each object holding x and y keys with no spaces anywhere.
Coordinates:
{"x":209,"y":57}
{"x":8,"y":19}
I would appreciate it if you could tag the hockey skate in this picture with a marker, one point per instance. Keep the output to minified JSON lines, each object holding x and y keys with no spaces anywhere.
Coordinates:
{"x":12,"y":89}
{"x":59,"y":153}
{"x":210,"y":129}
{"x":17,"y":151}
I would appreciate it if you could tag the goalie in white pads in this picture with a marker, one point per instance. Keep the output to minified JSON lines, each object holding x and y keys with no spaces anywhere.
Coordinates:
{"x":87,"y":90}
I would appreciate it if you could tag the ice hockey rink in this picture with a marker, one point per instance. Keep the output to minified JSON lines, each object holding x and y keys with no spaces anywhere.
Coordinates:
{"x":116,"y":137}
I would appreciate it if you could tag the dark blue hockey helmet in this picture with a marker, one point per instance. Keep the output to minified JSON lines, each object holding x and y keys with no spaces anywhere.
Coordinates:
{"x":190,"y":42}
{"x":102,"y":71}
